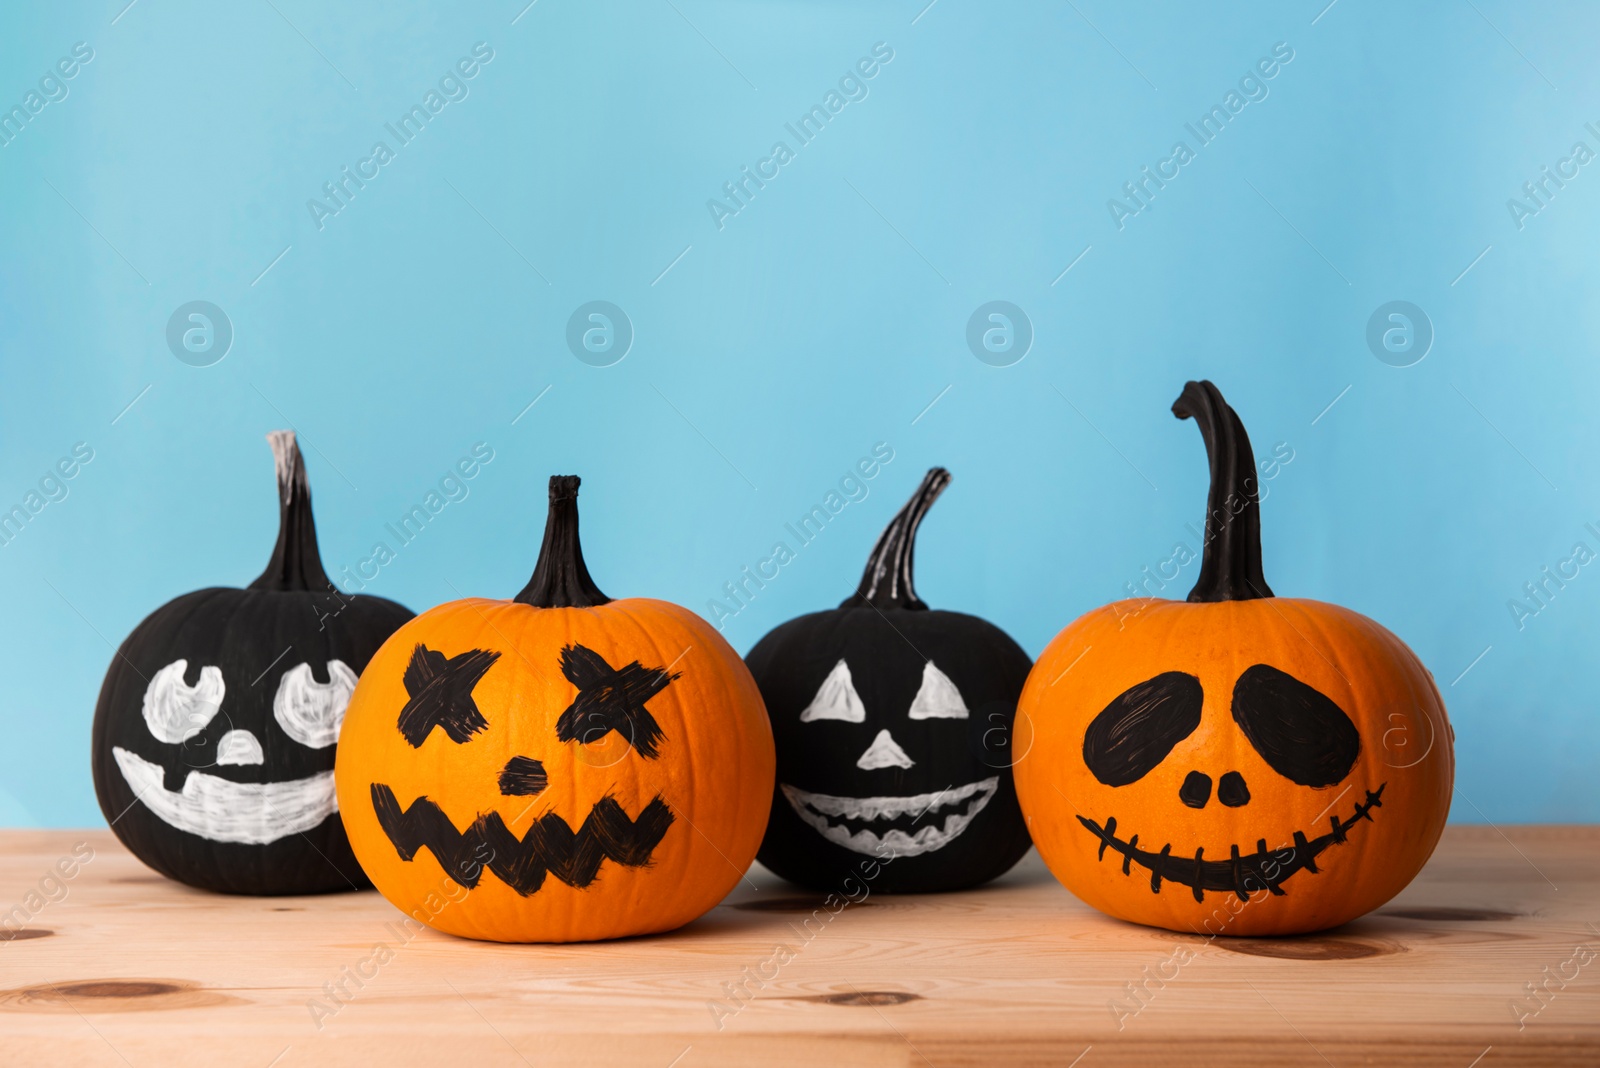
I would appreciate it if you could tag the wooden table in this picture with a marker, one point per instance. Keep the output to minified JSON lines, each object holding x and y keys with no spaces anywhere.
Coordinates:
{"x":129,"y":969}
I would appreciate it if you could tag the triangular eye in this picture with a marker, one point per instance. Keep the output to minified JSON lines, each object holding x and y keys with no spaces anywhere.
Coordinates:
{"x":1137,"y":730}
{"x":938,"y":697}
{"x":836,"y":699}
{"x":1298,"y":731}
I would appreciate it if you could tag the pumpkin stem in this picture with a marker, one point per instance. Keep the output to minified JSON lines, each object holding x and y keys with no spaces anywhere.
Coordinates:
{"x":560,"y":579}
{"x":886,"y":583}
{"x":295,"y":563}
{"x":1230,"y":562}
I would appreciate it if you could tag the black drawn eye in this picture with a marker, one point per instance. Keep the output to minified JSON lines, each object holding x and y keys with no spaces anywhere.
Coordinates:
{"x":440,"y":694}
{"x":610,"y":699}
{"x":1298,"y":731}
{"x":1137,"y":730}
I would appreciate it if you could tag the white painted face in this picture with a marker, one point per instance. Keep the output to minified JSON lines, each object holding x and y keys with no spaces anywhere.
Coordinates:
{"x":867,"y":824}
{"x":220,"y":809}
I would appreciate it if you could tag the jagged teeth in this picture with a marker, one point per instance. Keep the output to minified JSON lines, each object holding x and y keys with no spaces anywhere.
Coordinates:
{"x":815,"y":809}
{"x":873,"y":808}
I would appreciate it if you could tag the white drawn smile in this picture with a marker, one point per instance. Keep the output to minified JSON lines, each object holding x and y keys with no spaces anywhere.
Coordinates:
{"x":253,"y":813}
{"x":909,"y":826}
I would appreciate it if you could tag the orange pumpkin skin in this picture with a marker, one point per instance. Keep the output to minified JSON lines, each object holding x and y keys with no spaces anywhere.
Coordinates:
{"x":1366,"y":670}
{"x":713,"y":767}
{"x":1324,"y":736}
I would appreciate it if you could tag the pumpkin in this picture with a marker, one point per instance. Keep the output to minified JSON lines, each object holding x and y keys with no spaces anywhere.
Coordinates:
{"x":893,"y":724}
{"x":556,"y":767}
{"x":215,"y":731}
{"x":1239,"y":763}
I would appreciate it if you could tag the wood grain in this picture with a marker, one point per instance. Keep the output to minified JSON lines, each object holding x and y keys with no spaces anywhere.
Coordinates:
{"x":136,"y":970}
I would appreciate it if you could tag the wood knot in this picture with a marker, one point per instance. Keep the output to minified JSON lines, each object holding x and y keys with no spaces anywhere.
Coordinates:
{"x":866,"y":998}
{"x":23,"y":934}
{"x":79,"y":996}
{"x":115,"y":988}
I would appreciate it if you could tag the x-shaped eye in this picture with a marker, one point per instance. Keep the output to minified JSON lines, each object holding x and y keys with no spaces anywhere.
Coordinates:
{"x":440,"y":688}
{"x":609,"y":700}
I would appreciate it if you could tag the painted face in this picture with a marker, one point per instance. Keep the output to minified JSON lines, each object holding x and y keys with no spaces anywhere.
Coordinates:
{"x":555,"y":774}
{"x":1190,"y":772}
{"x":609,"y":709}
{"x":895,"y":744}
{"x":208,"y":776}
{"x":216,"y":734}
{"x":908,"y":825}
{"x":1299,"y":733}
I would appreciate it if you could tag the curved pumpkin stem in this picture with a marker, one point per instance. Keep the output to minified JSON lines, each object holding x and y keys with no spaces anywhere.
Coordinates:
{"x":886,"y":583}
{"x":1230,"y":562}
{"x":296,"y":564}
{"x":560,"y":579}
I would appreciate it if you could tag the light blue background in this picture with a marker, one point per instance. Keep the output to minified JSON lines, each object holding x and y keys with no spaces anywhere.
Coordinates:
{"x":825,"y":317}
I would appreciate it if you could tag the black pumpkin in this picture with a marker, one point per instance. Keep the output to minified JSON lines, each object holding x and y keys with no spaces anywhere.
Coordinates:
{"x":893,"y":729}
{"x":214,"y":733}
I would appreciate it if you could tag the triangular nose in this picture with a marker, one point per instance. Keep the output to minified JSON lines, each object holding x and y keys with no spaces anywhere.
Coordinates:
{"x":884,"y":752}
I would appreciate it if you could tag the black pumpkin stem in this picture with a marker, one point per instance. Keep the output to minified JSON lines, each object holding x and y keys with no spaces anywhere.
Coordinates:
{"x":886,"y":583}
{"x":1230,"y":562}
{"x":296,"y":564}
{"x":560,"y":579}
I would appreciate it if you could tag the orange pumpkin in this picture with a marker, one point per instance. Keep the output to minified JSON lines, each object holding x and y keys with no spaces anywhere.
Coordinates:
{"x":1240,"y":763}
{"x":558,"y":767}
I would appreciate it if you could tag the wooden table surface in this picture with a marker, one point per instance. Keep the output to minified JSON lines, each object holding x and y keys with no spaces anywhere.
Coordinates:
{"x":118,"y":966}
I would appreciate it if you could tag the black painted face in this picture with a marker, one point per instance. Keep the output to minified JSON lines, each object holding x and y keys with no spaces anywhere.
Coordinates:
{"x":1300,"y":733}
{"x":893,"y":735}
{"x":214,"y":756}
{"x":609,"y":700}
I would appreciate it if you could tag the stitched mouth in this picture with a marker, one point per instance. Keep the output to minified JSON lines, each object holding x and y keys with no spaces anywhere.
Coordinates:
{"x":909,"y":825}
{"x":1239,"y":874}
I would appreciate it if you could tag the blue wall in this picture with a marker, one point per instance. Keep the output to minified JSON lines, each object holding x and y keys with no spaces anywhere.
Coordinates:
{"x":773,"y":347}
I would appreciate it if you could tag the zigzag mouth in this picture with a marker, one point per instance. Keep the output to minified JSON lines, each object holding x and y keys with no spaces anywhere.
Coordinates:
{"x":1241,"y":875}
{"x":867,"y":824}
{"x":549,"y":846}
